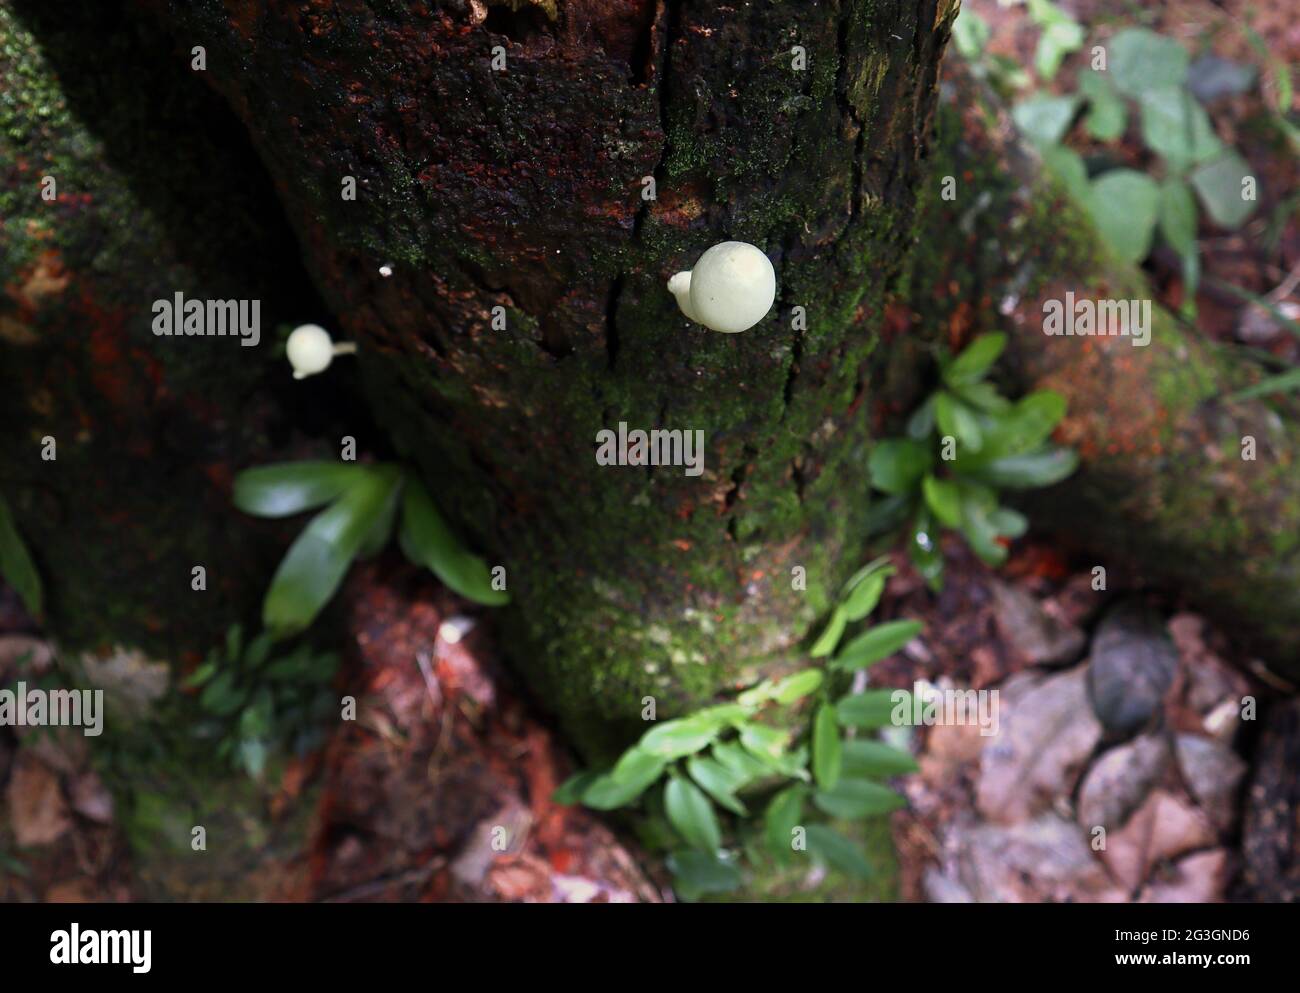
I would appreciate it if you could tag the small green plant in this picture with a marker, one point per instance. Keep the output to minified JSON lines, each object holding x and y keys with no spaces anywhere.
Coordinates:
{"x":698,"y":781}
{"x":963,"y":444}
{"x":256,"y":701}
{"x":364,"y":506}
{"x":16,"y":565}
{"x":1144,"y":74}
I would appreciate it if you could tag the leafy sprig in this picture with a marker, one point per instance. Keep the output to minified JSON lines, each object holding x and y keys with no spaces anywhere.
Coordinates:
{"x":964,"y":444}
{"x":257,"y":700}
{"x":700,"y":781}
{"x":363,"y":505}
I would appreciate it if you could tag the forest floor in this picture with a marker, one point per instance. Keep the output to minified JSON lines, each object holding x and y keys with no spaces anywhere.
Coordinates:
{"x":405,"y":803}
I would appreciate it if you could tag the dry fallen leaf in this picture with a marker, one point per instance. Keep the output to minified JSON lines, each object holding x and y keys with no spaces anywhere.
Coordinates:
{"x":37,"y":811}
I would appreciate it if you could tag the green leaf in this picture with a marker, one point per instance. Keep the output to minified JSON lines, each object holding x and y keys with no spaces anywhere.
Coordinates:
{"x":870,"y":708}
{"x":1030,"y":470}
{"x":16,"y":565}
{"x":255,"y":721}
{"x":886,"y":513}
{"x":826,"y":747}
{"x":744,"y":766}
{"x":252,"y":756}
{"x":1177,"y":128}
{"x":223,"y":696}
{"x":691,"y":815}
{"x":959,"y":421}
{"x":864,"y":757}
{"x":921,"y":424}
{"x":923,"y":550}
{"x":1220,"y":185}
{"x":970,"y":33}
{"x":1056,"y":42}
{"x":718,"y":781}
{"x":875,"y":644}
{"x":763,"y":741}
{"x":1067,"y":166}
{"x":288,"y":488}
{"x":1009,"y":523}
{"x":234,"y":642}
{"x":837,"y":851}
{"x":1107,"y":115}
{"x":981,"y":533}
{"x":783,"y":815}
{"x":975,"y":360}
{"x":1178,"y":215}
{"x":696,"y":874}
{"x":897,"y":465}
{"x":257,"y":651}
{"x":1124,"y":205}
{"x":637,"y":765}
{"x":569,"y":793}
{"x":317,"y":561}
{"x":797,"y":686}
{"x":831,"y":634}
{"x":1023,"y":428}
{"x":855,"y":798}
{"x":674,"y":739}
{"x":1044,"y":119}
{"x":722,"y":715}
{"x":426,"y":540}
{"x":984,"y":397}
{"x":604,"y":792}
{"x":864,"y":597}
{"x":942,"y":498}
{"x":200,"y":675}
{"x":381,"y":531}
{"x":1141,"y":60}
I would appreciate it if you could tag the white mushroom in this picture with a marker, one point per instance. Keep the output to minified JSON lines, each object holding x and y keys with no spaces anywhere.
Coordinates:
{"x":310,"y":350}
{"x":730,"y":289}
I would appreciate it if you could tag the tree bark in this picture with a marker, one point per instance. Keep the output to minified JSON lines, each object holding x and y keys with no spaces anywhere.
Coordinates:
{"x":522,"y":188}
{"x":156,"y":192}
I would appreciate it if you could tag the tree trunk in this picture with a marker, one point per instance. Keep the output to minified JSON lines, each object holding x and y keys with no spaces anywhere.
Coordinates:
{"x":146,"y":430}
{"x":522,"y":187}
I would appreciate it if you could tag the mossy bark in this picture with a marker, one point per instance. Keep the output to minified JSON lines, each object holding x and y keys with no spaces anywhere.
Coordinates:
{"x":522,"y":187}
{"x":155,"y":192}
{"x":1167,"y":490}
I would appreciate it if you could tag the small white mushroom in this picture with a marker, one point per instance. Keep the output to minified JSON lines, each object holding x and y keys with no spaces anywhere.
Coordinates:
{"x":730,"y":289}
{"x":310,"y":350}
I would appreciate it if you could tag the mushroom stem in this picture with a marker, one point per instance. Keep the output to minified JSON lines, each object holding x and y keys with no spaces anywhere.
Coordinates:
{"x":680,"y":287}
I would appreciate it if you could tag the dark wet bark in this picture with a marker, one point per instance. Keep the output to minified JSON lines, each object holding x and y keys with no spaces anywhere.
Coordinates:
{"x":157,"y":193}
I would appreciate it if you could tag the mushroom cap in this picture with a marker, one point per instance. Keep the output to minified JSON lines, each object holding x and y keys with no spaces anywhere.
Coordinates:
{"x":733,"y":286}
{"x":309,"y":350}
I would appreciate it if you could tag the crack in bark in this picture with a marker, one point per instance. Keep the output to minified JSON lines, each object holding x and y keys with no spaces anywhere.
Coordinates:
{"x":664,"y":22}
{"x":848,"y":110}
